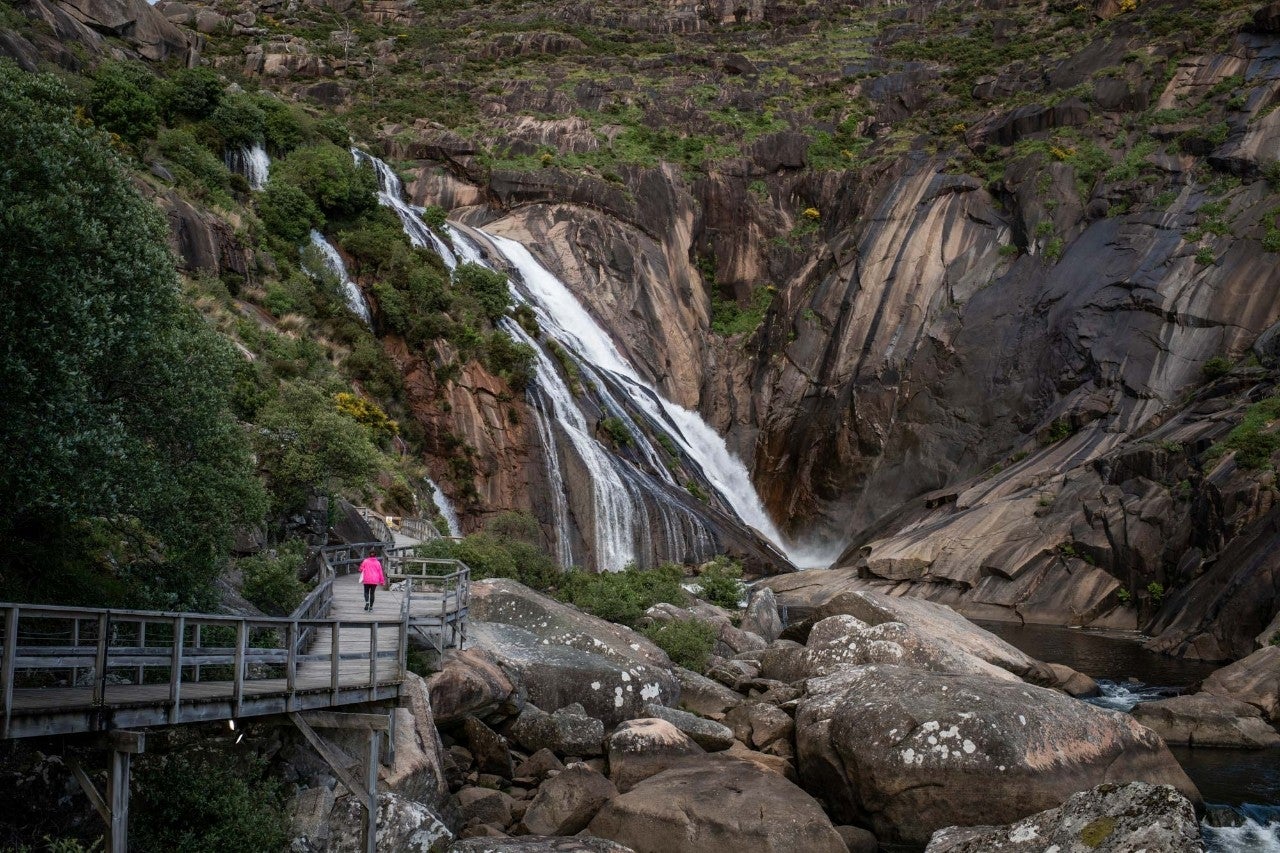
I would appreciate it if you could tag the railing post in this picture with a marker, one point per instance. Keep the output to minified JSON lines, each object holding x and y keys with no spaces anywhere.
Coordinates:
{"x":175,"y":668}
{"x":100,"y":661}
{"x":403,"y":639}
{"x":196,"y":644}
{"x":335,"y":659}
{"x":373,"y":659}
{"x":7,"y":666}
{"x":237,"y":688}
{"x":291,"y":665}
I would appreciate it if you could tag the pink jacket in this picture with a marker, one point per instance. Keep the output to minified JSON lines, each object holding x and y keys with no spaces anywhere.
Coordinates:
{"x":371,"y":571}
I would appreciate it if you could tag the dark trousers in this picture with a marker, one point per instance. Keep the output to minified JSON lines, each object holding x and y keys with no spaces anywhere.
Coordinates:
{"x":368,"y":593}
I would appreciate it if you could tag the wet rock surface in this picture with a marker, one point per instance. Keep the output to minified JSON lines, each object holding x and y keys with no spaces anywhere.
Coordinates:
{"x":1207,"y":720}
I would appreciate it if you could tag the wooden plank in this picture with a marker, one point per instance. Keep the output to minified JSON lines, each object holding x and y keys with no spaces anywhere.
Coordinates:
{"x":175,"y":668}
{"x":7,"y":665}
{"x":90,"y":790}
{"x":100,"y":660}
{"x":118,"y":782}
{"x":330,"y":720}
{"x":291,"y":667}
{"x":370,"y":822}
{"x":238,"y":676}
{"x":334,"y":761}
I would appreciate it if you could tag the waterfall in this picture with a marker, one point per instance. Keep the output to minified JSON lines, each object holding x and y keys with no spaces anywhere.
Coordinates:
{"x":391,"y":194}
{"x":252,"y":162}
{"x":334,"y":266}
{"x":445,"y":508}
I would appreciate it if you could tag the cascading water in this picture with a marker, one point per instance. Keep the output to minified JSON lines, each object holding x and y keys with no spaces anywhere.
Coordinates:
{"x":391,"y":194}
{"x":334,"y":266}
{"x":445,"y":508}
{"x":638,"y":512}
{"x":252,"y":162}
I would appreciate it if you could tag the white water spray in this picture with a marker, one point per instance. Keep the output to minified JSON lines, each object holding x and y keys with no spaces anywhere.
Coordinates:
{"x":445,"y":508}
{"x":391,"y":194}
{"x":252,"y":162}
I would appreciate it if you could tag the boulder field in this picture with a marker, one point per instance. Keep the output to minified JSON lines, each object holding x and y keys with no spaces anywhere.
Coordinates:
{"x":897,"y":721}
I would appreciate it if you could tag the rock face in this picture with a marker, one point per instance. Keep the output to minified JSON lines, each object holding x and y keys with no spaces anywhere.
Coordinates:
{"x":566,"y":803}
{"x":715,"y":802}
{"x":708,"y":734}
{"x":899,"y":749}
{"x":1207,"y":720}
{"x":402,"y":825}
{"x":568,"y":731}
{"x":1107,"y":819}
{"x":537,"y":845}
{"x":471,"y":683}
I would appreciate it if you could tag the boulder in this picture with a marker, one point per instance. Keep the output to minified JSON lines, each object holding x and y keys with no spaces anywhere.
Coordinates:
{"x":568,"y":731}
{"x":137,"y":23}
{"x":309,"y":814}
{"x":703,"y":696}
{"x":403,"y":825}
{"x":640,"y":748}
{"x":554,"y":676}
{"x":708,"y":734}
{"x":488,"y":748}
{"x":538,"y":845}
{"x":858,"y":840}
{"x":842,"y":640}
{"x":919,"y":742}
{"x":1107,"y":819}
{"x":936,"y":621}
{"x":762,"y":614}
{"x":538,"y":765}
{"x":1207,"y":720}
{"x":1073,"y":683}
{"x":567,"y":802}
{"x":714,"y":802}
{"x":470,"y":683}
{"x":773,"y":763}
{"x":759,"y":724}
{"x":485,"y":805}
{"x":1255,"y":679}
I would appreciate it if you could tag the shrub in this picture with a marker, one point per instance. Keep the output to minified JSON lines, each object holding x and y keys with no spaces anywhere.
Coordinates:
{"x":365,"y":411}
{"x":271,"y":580}
{"x":287,"y":211}
{"x":721,"y":582}
{"x":1155,"y":589}
{"x":487,"y":287}
{"x":623,"y":596}
{"x":501,"y":551}
{"x":330,"y":176}
{"x":435,"y":217}
{"x":1216,"y":368}
{"x":121,"y":101}
{"x":209,"y":800}
{"x":239,"y":121}
{"x":512,"y":361}
{"x":687,"y":642}
{"x":1271,"y":240}
{"x":1205,"y":256}
{"x":191,"y":93}
{"x":728,"y":319}
{"x":194,"y":166}
{"x":617,"y":431}
{"x":1124,"y":596}
{"x":1252,"y":439}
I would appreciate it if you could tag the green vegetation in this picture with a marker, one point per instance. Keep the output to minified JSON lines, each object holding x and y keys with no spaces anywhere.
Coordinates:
{"x":688,"y":642}
{"x":1253,"y":439}
{"x":487,"y":287}
{"x":1216,"y":368}
{"x":1155,"y":590}
{"x":206,"y":799}
{"x":510,"y":547}
{"x":1124,"y":596}
{"x":721,"y":582}
{"x":271,"y":579}
{"x":617,"y":431}
{"x":729,"y":319}
{"x":623,"y":596}
{"x":123,"y":469}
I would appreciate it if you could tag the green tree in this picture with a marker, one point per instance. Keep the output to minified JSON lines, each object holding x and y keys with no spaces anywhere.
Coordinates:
{"x":330,"y":176}
{"x":121,"y":101}
{"x":287,"y":211}
{"x":191,"y":93}
{"x":122,"y":469}
{"x":487,"y":287}
{"x":238,"y":121}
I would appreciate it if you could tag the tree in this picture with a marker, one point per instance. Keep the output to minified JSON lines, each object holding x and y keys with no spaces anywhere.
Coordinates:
{"x":489,"y":288}
{"x":122,"y":469}
{"x":330,"y":175}
{"x":191,"y":93}
{"x":121,"y":101}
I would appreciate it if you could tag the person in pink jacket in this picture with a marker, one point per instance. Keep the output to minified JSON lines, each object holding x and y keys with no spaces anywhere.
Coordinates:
{"x":372,"y":576}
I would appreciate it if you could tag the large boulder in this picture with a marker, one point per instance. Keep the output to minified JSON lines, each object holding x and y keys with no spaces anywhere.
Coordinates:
{"x":708,"y":734}
{"x":842,"y":640}
{"x":639,"y":749}
{"x":704,"y":696}
{"x":908,"y":752}
{"x":938,"y":621}
{"x":762,"y":616}
{"x":403,"y":825}
{"x":1106,"y":819}
{"x":567,"y":802}
{"x":714,"y":802}
{"x":471,"y":683}
{"x":1255,"y":679}
{"x":135,"y":22}
{"x":538,"y":845}
{"x":1207,"y":720}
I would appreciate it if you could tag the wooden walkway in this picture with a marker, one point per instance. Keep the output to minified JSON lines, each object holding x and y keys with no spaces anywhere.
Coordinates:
{"x":66,"y":670}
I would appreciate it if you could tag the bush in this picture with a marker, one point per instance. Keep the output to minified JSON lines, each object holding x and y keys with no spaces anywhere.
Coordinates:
{"x":239,"y":121}
{"x":287,"y":211}
{"x":488,"y":288}
{"x":338,"y":186}
{"x":617,"y":431}
{"x":1216,"y":368}
{"x":512,"y":361}
{"x":623,"y":596}
{"x":191,"y":93}
{"x":721,"y":582}
{"x":1156,"y":591}
{"x":508,"y":548}
{"x":271,"y":581}
{"x":1253,"y":439}
{"x":687,"y":642}
{"x":194,"y":166}
{"x":121,"y":101}
{"x":210,"y":800}
{"x":728,"y":319}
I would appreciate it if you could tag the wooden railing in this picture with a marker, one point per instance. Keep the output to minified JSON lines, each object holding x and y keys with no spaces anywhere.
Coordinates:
{"x":436,"y":595}
{"x":419,"y":528}
{"x":188,"y":666}
{"x":377,"y":524}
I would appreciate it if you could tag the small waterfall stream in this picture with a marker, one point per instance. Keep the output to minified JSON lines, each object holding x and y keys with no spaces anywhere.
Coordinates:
{"x":252,"y":162}
{"x":335,"y":267}
{"x":391,"y":194}
{"x":442,"y":505}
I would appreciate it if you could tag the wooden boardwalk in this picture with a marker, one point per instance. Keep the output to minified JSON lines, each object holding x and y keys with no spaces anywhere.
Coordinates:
{"x":69,"y":670}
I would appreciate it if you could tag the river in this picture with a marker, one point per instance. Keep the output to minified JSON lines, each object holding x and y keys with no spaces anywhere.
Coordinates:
{"x":1241,"y":787}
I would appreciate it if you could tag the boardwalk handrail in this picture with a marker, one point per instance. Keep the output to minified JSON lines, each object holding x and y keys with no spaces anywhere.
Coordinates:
{"x":424,"y":579}
{"x":419,"y":528}
{"x":377,"y":523}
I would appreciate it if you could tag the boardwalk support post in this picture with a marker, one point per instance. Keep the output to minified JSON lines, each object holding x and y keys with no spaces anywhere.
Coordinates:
{"x":366,"y":790}
{"x":114,"y":807}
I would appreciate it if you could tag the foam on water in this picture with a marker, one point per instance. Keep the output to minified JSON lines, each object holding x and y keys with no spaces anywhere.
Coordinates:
{"x":333,"y":264}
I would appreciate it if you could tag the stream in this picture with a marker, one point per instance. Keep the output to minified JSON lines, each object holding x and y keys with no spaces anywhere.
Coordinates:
{"x":1241,"y":787}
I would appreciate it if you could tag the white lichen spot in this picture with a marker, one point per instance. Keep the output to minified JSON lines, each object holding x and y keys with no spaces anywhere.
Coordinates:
{"x":595,"y":685}
{"x":1022,"y":719}
{"x":650,"y":691}
{"x":908,"y":756}
{"x":968,"y":747}
{"x":1023,"y":833}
